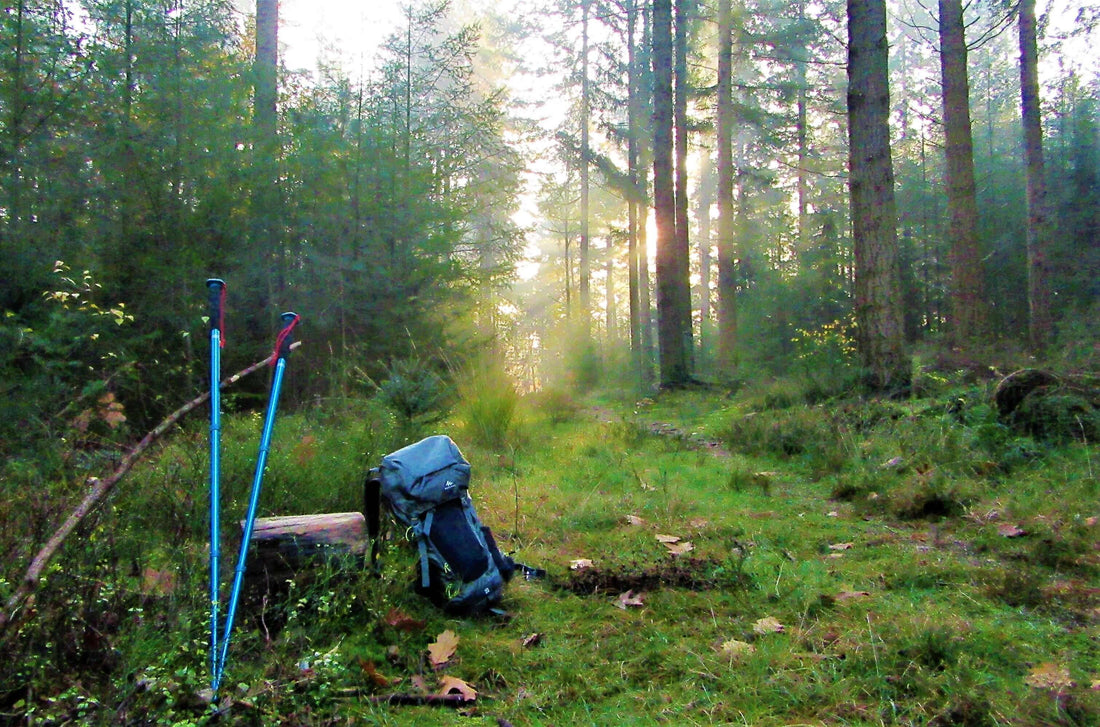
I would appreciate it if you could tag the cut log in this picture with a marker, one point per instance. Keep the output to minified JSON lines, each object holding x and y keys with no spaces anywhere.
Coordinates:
{"x":288,"y":544}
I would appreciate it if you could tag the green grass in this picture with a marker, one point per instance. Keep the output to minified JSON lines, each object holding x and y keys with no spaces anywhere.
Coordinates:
{"x":870,"y":530}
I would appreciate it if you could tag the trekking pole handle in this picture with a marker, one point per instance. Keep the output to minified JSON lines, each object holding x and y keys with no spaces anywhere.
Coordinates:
{"x":284,"y":341}
{"x":216,"y":289}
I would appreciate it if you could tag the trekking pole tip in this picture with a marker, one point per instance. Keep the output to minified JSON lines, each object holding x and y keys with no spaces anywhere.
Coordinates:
{"x":288,"y":316}
{"x":215,"y":283}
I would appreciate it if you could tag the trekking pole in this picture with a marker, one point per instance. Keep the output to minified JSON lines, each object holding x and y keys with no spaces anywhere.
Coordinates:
{"x":216,"y":289}
{"x":282,"y":351}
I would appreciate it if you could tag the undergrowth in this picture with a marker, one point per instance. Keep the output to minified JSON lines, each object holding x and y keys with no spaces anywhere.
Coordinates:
{"x":855,"y":562}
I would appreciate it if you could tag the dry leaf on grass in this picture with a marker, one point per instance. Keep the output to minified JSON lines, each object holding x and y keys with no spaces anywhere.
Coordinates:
{"x":851,"y":595}
{"x":443,"y":648}
{"x":768,"y":625}
{"x":402,"y":621}
{"x":662,"y":538}
{"x":680,"y":548}
{"x":580,"y":564}
{"x":634,"y":520}
{"x":1054,"y":677}
{"x":531,"y":640}
{"x":1010,"y":530}
{"x":840,"y":546}
{"x":734,"y":648}
{"x":376,"y":677}
{"x":454,"y":685}
{"x":630,"y":598}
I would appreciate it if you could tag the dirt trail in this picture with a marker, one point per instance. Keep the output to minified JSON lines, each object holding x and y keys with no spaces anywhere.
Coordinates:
{"x":691,"y":440}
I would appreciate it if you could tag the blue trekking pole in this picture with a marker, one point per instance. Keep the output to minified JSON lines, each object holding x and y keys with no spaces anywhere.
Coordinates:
{"x":282,"y":351}
{"x":216,"y":289}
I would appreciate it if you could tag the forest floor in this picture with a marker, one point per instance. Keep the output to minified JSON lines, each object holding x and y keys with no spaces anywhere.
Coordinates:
{"x":712,"y":559}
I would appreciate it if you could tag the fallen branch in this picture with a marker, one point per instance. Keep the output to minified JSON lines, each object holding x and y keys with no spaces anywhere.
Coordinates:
{"x":437,"y":700}
{"x":100,"y":488}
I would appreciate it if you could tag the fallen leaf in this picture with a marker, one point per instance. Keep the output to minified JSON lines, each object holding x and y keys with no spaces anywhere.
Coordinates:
{"x":443,"y":648}
{"x":157,"y":582}
{"x":851,"y":595}
{"x":531,"y":640}
{"x":634,"y":520}
{"x":1091,"y":521}
{"x":894,"y":462}
{"x":734,"y":648}
{"x":1049,"y":676}
{"x":402,"y":621}
{"x":393,"y":654}
{"x":832,"y":513}
{"x":305,"y":450}
{"x":580,"y":564}
{"x":698,"y":523}
{"x":1095,"y":685}
{"x":836,"y":555}
{"x":373,"y":674}
{"x":768,"y":625}
{"x":840,"y":546}
{"x":419,"y":682}
{"x":1010,"y":530}
{"x":680,"y":548}
{"x":454,"y":685}
{"x":668,"y":538}
{"x":630,"y":598}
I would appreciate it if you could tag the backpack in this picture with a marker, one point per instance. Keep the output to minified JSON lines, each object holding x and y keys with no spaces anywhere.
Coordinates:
{"x":426,"y":488}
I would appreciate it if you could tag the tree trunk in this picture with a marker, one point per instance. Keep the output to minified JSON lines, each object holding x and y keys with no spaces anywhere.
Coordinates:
{"x":645,"y":153}
{"x":585,"y":270}
{"x":967,"y":290}
{"x":1038,"y":216}
{"x":680,"y":94}
{"x":727,"y":276}
{"x":671,"y":338}
{"x":266,"y":242}
{"x":802,"y":134}
{"x":879,"y":334}
{"x":635,"y":199}
{"x":705,"y":200}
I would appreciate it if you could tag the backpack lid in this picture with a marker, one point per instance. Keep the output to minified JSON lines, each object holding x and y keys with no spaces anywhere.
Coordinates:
{"x":420,"y":476}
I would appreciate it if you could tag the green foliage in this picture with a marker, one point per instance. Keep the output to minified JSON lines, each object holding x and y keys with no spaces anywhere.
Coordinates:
{"x":826,"y":356}
{"x":414,"y":391}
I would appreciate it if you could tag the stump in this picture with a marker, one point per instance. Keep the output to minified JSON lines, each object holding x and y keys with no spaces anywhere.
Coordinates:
{"x":1050,"y":407}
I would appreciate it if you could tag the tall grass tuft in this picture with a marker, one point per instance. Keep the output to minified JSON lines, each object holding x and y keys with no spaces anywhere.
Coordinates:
{"x":488,"y":404}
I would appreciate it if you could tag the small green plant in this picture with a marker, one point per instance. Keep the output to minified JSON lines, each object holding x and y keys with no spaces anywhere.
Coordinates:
{"x":414,"y":391}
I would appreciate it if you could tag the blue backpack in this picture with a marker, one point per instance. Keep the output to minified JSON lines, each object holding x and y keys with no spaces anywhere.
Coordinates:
{"x":426,"y":487}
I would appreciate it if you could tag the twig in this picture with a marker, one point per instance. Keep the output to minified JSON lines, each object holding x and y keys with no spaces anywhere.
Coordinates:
{"x":100,"y":488}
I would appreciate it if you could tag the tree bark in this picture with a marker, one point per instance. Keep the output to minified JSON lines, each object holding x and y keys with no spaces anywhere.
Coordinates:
{"x":1038,"y":216}
{"x":879,"y":330}
{"x":727,"y":276}
{"x":967,"y":289}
